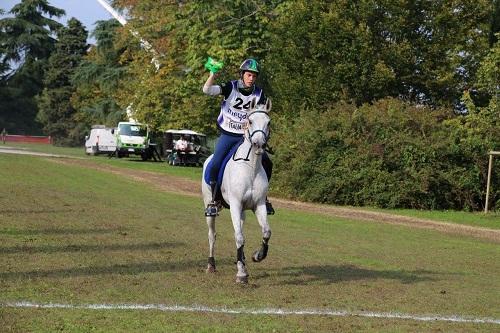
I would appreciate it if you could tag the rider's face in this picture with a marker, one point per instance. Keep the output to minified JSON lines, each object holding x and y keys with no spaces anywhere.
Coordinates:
{"x":249,"y":78}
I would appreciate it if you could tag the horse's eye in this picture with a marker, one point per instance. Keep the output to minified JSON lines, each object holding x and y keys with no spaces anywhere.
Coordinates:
{"x":250,"y":122}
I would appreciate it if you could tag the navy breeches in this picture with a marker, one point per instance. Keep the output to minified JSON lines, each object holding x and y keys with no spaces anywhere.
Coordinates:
{"x":222,"y":148}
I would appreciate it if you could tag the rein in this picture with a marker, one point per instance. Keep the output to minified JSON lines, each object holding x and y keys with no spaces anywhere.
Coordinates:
{"x":250,"y":135}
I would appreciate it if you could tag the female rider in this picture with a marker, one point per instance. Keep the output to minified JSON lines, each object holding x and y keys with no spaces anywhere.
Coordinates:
{"x":232,"y":118}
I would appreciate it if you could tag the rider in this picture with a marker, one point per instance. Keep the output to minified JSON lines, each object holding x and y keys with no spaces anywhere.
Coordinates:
{"x":237,"y":97}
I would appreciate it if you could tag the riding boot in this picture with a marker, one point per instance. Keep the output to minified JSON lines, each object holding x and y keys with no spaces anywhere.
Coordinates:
{"x":269,"y":207}
{"x":212,"y":209}
{"x":213,"y":189}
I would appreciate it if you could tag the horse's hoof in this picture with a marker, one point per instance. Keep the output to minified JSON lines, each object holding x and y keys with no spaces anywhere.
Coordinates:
{"x":242,"y":279}
{"x":211,"y":269}
{"x":259,"y":255}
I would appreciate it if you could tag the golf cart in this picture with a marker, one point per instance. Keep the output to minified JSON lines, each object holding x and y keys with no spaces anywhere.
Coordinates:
{"x":185,"y":147}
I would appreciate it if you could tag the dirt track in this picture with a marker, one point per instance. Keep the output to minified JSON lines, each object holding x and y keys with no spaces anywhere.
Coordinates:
{"x":192,"y":188}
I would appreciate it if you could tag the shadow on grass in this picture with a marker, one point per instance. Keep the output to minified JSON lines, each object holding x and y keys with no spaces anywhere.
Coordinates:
{"x":88,"y":248}
{"x":329,"y":274}
{"x":117,"y":269}
{"x":58,"y":231}
{"x":39,"y":211}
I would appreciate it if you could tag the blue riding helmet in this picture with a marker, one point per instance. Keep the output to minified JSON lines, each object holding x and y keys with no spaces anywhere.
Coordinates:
{"x":249,"y":65}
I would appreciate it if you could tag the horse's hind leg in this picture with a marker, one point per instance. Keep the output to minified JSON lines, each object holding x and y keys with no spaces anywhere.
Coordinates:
{"x":211,"y":244}
{"x":261,"y":253}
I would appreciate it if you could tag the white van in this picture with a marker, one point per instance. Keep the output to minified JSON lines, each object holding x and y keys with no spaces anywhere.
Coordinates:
{"x":100,"y":141}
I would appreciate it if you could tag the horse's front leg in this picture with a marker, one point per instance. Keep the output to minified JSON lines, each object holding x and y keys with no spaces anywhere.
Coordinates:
{"x":238,"y":218}
{"x":261,"y":214}
{"x":211,"y":243}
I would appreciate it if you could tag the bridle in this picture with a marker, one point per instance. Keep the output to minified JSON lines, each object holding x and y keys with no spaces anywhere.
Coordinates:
{"x":249,"y":135}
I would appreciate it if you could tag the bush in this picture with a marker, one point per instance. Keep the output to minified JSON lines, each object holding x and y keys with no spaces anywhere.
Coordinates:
{"x":387,"y":154}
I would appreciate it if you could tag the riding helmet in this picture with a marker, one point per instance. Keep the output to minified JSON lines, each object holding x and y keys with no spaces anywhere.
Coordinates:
{"x":249,"y":65}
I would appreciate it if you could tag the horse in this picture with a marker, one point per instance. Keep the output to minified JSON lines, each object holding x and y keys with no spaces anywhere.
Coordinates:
{"x":244,"y":187}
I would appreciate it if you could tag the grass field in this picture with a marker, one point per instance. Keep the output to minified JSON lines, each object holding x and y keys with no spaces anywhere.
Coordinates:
{"x":77,"y":236}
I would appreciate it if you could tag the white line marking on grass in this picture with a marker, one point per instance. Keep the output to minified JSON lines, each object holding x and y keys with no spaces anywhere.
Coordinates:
{"x":267,"y":311}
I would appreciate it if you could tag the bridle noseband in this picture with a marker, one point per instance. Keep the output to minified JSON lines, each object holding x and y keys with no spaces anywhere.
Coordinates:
{"x":250,"y":135}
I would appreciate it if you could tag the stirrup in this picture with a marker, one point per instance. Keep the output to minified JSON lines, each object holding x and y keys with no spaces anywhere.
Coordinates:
{"x":211,"y":210}
{"x":269,"y":208}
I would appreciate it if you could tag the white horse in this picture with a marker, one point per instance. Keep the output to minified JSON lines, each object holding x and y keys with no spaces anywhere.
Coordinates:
{"x":244,"y":187}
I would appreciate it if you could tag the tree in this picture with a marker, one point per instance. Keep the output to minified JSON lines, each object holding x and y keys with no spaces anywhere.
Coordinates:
{"x":55,"y":110}
{"x":477,"y":132}
{"x":495,"y":23}
{"x":99,"y":78}
{"x":184,"y":34}
{"x":426,"y":51}
{"x":29,"y":34}
{"x":28,"y":40}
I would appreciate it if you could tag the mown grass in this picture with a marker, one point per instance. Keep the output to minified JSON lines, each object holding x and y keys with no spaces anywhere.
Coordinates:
{"x":80,"y":236}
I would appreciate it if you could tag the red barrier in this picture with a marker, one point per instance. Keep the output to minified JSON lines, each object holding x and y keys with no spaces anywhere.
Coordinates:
{"x":28,"y":138}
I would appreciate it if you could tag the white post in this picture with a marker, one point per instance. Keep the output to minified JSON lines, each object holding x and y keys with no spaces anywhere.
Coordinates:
{"x":490,"y":166}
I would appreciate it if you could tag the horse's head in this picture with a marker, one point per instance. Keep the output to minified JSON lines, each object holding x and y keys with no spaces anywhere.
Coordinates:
{"x":258,"y":124}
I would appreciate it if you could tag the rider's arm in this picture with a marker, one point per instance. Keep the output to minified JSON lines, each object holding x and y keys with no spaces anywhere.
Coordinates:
{"x":209,"y":88}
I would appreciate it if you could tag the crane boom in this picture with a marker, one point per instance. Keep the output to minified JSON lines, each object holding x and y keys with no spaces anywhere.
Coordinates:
{"x":113,"y":12}
{"x":144,"y":43}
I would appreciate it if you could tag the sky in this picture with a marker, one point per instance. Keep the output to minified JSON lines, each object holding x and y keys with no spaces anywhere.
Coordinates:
{"x":86,"y":11}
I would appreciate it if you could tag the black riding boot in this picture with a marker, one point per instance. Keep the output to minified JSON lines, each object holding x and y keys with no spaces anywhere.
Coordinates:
{"x":268,"y":168}
{"x":211,"y":209}
{"x":269,"y":207}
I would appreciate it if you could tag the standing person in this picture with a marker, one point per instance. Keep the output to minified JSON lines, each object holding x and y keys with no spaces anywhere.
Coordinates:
{"x":4,"y":135}
{"x":231,"y":120}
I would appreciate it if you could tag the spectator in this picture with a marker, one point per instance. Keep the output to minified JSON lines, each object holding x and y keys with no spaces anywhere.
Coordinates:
{"x":182,"y":144}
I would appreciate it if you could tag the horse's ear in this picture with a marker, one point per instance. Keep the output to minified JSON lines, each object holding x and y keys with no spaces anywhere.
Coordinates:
{"x":253,"y":103}
{"x":269,"y":105}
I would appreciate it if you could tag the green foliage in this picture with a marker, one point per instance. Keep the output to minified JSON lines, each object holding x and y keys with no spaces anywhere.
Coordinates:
{"x":424,"y":51}
{"x":99,"y":78}
{"x":184,"y":35}
{"x":29,"y":34}
{"x":55,"y":111}
{"x":26,"y":38}
{"x":478,"y":131}
{"x":389,"y":154}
